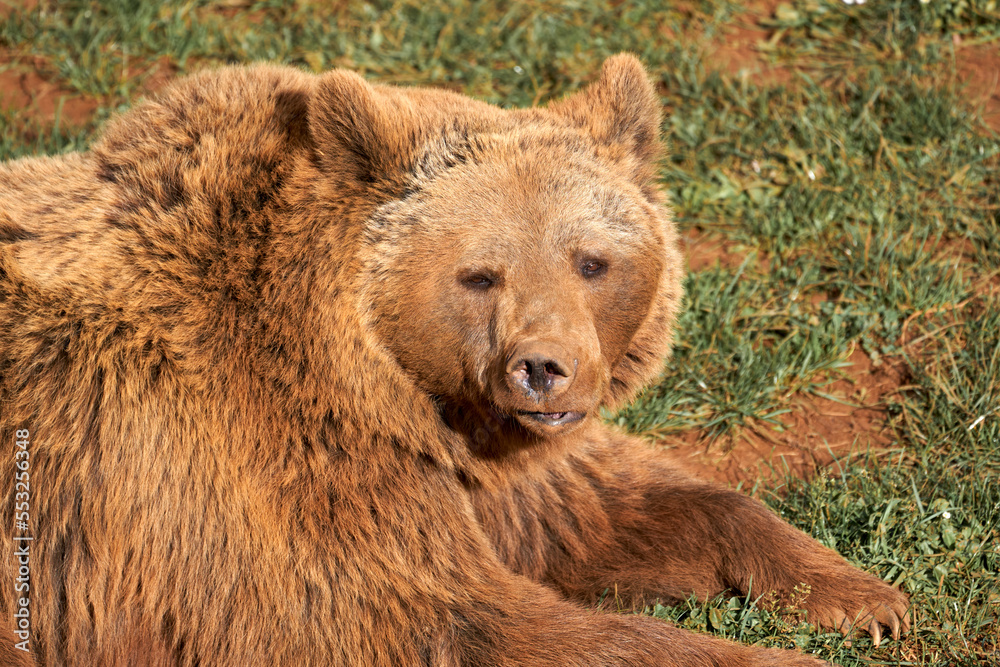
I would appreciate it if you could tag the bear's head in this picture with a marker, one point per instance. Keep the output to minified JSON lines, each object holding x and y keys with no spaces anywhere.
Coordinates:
{"x":521,"y":265}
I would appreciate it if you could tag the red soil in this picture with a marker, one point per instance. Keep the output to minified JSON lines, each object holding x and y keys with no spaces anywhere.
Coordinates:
{"x":23,"y":87}
{"x":978,"y":72}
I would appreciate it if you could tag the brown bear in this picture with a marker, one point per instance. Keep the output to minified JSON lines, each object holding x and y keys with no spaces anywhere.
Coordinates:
{"x":301,"y":370}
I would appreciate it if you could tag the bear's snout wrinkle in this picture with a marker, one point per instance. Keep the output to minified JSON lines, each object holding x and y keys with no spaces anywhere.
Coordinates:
{"x":540,"y":369}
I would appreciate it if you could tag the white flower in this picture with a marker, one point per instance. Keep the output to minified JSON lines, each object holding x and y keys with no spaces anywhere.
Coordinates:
{"x":945,"y":515}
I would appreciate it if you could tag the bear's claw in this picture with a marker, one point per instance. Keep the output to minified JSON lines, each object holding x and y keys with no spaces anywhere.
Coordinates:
{"x":875,"y":607}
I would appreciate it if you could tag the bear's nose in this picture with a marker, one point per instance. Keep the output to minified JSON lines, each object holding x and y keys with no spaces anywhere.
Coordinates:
{"x":540,"y":369}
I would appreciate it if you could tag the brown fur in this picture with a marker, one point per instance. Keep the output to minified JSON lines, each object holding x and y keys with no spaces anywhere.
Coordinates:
{"x":278,"y":338}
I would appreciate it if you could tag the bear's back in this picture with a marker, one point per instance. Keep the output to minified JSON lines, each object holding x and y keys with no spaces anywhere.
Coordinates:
{"x":200,"y":157}
{"x":211,"y":136}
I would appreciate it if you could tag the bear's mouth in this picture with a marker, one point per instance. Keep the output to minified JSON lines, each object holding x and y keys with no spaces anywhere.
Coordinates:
{"x":554,"y":418}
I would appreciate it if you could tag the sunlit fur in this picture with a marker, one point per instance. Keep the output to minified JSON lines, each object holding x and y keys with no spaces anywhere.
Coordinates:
{"x":266,"y":422}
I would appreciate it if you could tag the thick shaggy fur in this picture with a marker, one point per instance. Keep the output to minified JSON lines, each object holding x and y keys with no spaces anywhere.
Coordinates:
{"x":277,"y":340}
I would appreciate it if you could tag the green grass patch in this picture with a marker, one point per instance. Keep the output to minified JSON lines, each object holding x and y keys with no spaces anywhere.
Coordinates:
{"x":21,"y":135}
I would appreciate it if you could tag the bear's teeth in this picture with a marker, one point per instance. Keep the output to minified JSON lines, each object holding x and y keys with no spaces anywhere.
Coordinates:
{"x":555,"y":418}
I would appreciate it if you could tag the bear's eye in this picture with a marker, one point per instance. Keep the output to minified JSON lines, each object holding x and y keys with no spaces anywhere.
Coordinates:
{"x":477,"y":281}
{"x":592,"y":268}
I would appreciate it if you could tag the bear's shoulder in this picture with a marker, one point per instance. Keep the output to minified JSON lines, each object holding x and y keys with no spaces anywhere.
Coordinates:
{"x":220,"y":122}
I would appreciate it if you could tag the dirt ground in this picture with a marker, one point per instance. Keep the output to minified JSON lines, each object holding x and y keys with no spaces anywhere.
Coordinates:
{"x":818,"y":430}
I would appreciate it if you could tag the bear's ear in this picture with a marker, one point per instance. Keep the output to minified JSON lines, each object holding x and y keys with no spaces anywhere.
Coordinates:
{"x":359,"y":128}
{"x":621,"y":111}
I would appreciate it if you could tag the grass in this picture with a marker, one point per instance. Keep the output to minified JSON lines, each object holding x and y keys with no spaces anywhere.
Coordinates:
{"x":862,"y":192}
{"x":22,"y":136}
